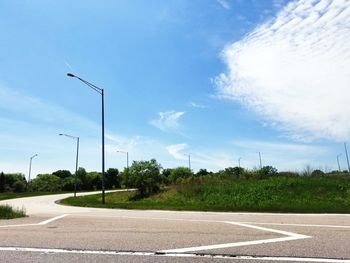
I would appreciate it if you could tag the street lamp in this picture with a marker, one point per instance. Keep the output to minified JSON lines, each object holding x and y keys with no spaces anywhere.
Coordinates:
{"x":30,"y":169}
{"x":189,"y":160}
{"x":101,"y":92}
{"x":347,"y":158}
{"x":239,"y":162}
{"x":76,"y":160}
{"x":127,"y":157}
{"x":260,"y":160}
{"x":338,"y":161}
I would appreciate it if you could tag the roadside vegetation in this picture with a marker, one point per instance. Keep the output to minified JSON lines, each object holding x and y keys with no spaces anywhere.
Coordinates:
{"x":7,"y":212}
{"x":232,"y":189}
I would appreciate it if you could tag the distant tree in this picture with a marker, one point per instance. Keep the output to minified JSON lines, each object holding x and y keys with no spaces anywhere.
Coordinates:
{"x":143,"y":175}
{"x":112,"y":178}
{"x":317,"y":172}
{"x":46,"y":183}
{"x":81,"y":178}
{"x":19,"y":186}
{"x":180,"y":172}
{"x":62,"y":173}
{"x":202,"y":172}
{"x":267,"y":171}
{"x":2,"y":182}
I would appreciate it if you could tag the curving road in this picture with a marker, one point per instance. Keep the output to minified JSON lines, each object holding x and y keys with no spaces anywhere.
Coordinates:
{"x":56,"y":233}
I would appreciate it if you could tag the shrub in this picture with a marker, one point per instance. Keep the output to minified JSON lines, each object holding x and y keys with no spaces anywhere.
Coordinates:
{"x":19,"y":186}
{"x":180,"y":172}
{"x":143,"y":175}
{"x":317,"y":172}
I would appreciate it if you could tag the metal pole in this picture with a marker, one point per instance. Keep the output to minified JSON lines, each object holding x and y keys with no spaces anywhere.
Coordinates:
{"x":260,"y":160}
{"x":101,"y":92}
{"x":30,"y":169}
{"x":347,"y":158}
{"x":103,"y":149}
{"x":338,"y":162}
{"x":76,"y":169}
{"x":189,"y":162}
{"x":239,"y":162}
{"x":127,"y":159}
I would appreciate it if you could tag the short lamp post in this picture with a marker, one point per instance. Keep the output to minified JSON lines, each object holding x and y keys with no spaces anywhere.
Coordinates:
{"x":338,"y":161}
{"x":76,"y":160}
{"x":30,"y":169}
{"x":189,"y":160}
{"x":101,"y":92}
{"x":127,"y":157}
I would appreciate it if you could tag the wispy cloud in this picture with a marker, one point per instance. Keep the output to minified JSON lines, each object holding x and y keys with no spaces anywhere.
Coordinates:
{"x":294,"y":70}
{"x":197,"y":105}
{"x":176,"y":150}
{"x":30,"y":107}
{"x":224,"y":3}
{"x":168,"y":121}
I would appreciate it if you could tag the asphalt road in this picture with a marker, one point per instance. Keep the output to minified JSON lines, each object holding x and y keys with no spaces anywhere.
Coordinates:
{"x":56,"y":233}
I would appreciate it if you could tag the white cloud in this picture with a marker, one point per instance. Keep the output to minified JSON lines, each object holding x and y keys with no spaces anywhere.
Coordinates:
{"x":168,"y":121}
{"x":175,"y":150}
{"x":295,"y":70}
{"x":197,"y":105}
{"x":224,"y":3}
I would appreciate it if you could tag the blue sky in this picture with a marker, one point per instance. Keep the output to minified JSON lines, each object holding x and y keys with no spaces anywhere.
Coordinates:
{"x":216,"y":79}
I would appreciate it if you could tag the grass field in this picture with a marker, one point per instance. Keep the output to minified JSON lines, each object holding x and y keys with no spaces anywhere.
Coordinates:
{"x":7,"y":212}
{"x":275,"y":194}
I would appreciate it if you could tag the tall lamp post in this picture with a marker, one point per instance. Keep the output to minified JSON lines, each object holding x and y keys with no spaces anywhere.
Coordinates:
{"x":76,"y":160}
{"x":30,"y":169}
{"x":239,"y":162}
{"x":189,"y":161}
{"x":338,"y":161}
{"x":127,"y":157}
{"x":101,"y":92}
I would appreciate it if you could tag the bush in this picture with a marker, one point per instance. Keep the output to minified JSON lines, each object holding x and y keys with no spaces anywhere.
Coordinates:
{"x":180,"y":172}
{"x":143,"y":175}
{"x":19,"y":186}
{"x":317,"y":172}
{"x":45,"y":183}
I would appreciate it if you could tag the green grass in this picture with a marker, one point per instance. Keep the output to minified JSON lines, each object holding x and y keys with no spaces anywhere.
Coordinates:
{"x":11,"y":195}
{"x":276,"y":194}
{"x":7,"y":212}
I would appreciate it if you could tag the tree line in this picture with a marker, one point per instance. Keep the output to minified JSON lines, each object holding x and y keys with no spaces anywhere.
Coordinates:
{"x":146,"y":176}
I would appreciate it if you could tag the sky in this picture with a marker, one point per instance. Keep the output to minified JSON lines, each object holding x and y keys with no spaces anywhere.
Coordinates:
{"x":219,"y":80}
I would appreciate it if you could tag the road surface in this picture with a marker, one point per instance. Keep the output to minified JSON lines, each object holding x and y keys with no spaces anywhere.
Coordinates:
{"x":56,"y":233}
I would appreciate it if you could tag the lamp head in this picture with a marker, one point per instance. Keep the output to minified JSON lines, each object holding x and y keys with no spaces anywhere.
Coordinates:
{"x":70,"y":75}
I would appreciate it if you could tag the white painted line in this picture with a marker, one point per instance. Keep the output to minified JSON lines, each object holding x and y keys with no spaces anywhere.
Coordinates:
{"x":178,"y":255}
{"x":289,"y":237}
{"x":302,"y":225}
{"x":52,"y":219}
{"x":45,"y":222}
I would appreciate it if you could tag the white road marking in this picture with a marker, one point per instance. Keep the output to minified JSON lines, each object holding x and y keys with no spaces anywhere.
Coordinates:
{"x":302,"y":225}
{"x":156,"y":254}
{"x":45,"y":222}
{"x":289,"y":237}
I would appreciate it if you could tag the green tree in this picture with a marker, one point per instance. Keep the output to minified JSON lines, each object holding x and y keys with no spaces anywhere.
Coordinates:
{"x":112,"y":178}
{"x":180,"y":172}
{"x":143,"y":175}
{"x":267,"y":171}
{"x":62,"y":173}
{"x":46,"y":183}
{"x":2,"y":182}
{"x":81,"y":178}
